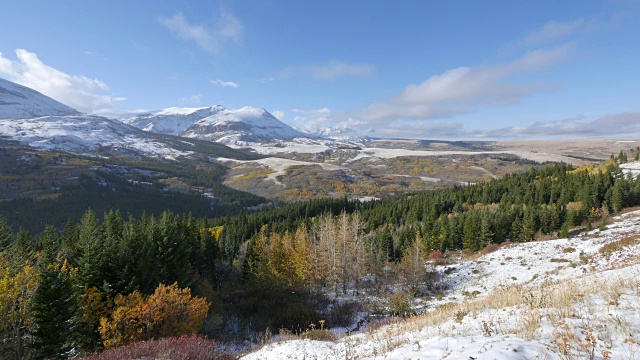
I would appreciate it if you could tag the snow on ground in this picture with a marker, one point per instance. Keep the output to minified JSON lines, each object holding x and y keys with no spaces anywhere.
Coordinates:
{"x":554,"y":299}
{"x":393,"y":153}
{"x":632,"y":167}
{"x":280,"y":165}
{"x":82,"y":134}
{"x":296,"y":146}
{"x":19,"y":102}
{"x":542,"y":261}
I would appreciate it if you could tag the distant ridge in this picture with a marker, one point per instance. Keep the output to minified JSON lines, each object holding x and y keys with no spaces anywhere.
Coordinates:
{"x":219,"y":124}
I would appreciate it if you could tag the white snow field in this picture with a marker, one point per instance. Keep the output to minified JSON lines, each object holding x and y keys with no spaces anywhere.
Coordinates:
{"x":576,"y":298}
{"x":632,"y":167}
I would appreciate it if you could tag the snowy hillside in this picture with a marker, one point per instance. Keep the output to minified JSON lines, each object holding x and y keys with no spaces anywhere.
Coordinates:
{"x":19,"y":102}
{"x":83,"y":134}
{"x":227,"y":126}
{"x":575,"y":298}
{"x":171,"y":121}
{"x":36,"y":120}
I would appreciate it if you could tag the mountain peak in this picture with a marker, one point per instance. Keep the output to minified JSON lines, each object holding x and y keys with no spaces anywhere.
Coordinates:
{"x":217,"y":123}
{"x":21,"y":102}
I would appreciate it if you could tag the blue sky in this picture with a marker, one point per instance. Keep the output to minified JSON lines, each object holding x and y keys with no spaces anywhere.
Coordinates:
{"x":418,"y":69}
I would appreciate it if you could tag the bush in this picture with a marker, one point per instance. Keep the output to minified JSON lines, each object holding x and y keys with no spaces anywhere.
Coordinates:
{"x":400,"y":305}
{"x":490,"y":248}
{"x":437,"y":257}
{"x":182,"y":348}
{"x":318,"y":335}
{"x":169,"y":311}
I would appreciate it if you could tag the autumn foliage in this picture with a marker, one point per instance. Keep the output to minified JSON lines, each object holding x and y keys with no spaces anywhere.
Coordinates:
{"x":187,"y":347}
{"x":169,"y":311}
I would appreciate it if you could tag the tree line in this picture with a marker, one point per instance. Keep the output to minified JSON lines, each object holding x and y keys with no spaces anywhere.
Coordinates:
{"x":83,"y":287}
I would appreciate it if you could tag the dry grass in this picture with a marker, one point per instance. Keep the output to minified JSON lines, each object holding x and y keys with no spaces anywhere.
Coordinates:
{"x":618,"y":245}
{"x":520,"y":310}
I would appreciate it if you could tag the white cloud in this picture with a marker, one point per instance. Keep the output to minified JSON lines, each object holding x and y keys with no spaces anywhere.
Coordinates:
{"x":422,"y":130}
{"x":462,"y":89}
{"x":228,"y":27}
{"x":552,"y":31}
{"x":311,"y":120}
{"x":620,"y":124}
{"x":278,"y":114}
{"x":267,"y":79}
{"x":330,"y":70}
{"x":225,"y":83}
{"x":193,"y":99}
{"x":78,"y":91}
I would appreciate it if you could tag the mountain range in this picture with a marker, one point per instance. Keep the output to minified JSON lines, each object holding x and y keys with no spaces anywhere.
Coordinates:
{"x":217,"y":123}
{"x":33,"y":119}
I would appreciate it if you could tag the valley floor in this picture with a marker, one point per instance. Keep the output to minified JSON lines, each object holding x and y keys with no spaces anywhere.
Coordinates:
{"x":576,"y":298}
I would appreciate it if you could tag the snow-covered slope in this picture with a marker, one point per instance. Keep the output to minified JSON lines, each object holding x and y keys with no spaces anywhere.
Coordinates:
{"x":576,"y":298}
{"x":84,"y":134}
{"x":171,"y":121}
{"x":233,"y":127}
{"x":19,"y":102}
{"x":33,"y":119}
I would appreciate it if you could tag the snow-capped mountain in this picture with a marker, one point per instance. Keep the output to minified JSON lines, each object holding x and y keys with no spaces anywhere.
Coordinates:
{"x":20,"y":102}
{"x":34,"y":119}
{"x":171,"y":121}
{"x":245,"y":125}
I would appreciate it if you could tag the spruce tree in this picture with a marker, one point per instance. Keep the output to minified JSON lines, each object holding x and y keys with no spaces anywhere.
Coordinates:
{"x":6,"y":235}
{"x":54,"y":307}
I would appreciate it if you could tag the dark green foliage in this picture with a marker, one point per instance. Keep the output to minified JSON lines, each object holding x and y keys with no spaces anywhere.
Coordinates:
{"x":6,"y":234}
{"x":119,"y":252}
{"x":54,"y":308}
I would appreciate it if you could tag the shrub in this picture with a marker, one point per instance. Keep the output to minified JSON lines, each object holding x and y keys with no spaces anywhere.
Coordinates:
{"x":554,"y":260}
{"x":169,"y":311}
{"x":182,"y":348}
{"x":437,"y":257}
{"x":318,"y":334}
{"x":568,"y":250}
{"x":399,"y":305}
{"x":490,"y":248}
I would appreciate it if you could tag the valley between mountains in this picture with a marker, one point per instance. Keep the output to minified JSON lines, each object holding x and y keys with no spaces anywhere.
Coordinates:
{"x":255,"y":240}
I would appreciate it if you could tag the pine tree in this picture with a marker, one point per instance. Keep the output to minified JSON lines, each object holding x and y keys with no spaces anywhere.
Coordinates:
{"x":617,"y":198}
{"x":6,"y":235}
{"x":50,"y":241}
{"x":54,"y":307}
{"x":529,"y":226}
{"x":486,"y":235}
{"x":89,"y":253}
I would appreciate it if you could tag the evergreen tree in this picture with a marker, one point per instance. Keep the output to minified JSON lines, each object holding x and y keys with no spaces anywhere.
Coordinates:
{"x":54,"y":307}
{"x":50,"y":241}
{"x":6,"y":235}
